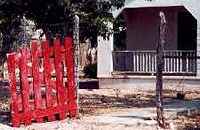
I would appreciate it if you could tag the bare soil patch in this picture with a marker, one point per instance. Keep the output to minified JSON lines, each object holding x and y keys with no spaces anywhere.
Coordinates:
{"x":94,"y":102}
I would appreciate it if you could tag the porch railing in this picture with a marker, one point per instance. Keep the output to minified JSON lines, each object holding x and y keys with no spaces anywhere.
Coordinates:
{"x":176,"y":62}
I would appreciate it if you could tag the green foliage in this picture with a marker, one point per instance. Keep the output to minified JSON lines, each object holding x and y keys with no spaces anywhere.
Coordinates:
{"x":119,"y":33}
{"x":93,"y":13}
{"x":90,"y":71}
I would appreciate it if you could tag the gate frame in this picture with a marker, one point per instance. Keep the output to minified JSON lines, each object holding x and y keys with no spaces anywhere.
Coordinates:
{"x":65,"y":103}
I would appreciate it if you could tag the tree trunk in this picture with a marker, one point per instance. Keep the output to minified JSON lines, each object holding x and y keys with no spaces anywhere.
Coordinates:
{"x":159,"y":74}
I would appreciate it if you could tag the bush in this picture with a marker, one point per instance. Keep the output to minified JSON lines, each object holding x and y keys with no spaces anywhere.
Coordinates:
{"x":90,"y":71}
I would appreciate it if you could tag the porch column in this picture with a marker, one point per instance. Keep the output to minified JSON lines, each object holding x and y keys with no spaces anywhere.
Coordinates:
{"x":104,"y":56}
{"x":198,"y":47}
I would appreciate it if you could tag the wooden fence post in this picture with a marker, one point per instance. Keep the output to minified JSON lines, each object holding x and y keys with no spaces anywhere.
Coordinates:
{"x":47,"y":76}
{"x":36,"y":77}
{"x":25,"y":85}
{"x":13,"y":89}
{"x":159,"y":74}
{"x":59,"y":76}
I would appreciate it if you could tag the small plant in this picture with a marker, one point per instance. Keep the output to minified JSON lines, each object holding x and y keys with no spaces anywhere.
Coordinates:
{"x":180,"y":96}
{"x":90,"y":71}
{"x":117,"y":92}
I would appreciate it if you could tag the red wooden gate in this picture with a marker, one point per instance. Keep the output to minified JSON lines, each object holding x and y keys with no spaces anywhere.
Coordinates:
{"x":42,"y":82}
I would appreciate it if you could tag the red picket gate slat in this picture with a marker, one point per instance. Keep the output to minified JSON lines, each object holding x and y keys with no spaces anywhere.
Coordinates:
{"x":71,"y":77}
{"x":45,"y":86}
{"x":47,"y":77}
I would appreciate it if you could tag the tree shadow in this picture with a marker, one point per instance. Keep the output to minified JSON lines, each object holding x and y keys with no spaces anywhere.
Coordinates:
{"x":4,"y":103}
{"x":91,"y":103}
{"x":136,"y":117}
{"x":190,"y":122}
{"x":191,"y":128}
{"x":5,"y":118}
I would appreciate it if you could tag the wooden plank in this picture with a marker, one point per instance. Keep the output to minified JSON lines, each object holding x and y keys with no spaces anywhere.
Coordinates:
{"x":25,"y":85}
{"x":71,"y":77}
{"x":155,"y":62}
{"x":59,"y":75}
{"x":149,"y":62}
{"x":140,"y":62}
{"x":47,"y":77}
{"x":36,"y":77}
{"x":170,"y":62}
{"x":187,"y":62}
{"x":137,"y":63}
{"x":152,"y":63}
{"x":174,"y":62}
{"x":44,"y":112}
{"x":181,"y":62}
{"x":143,"y":62}
{"x":178,"y":62}
{"x":12,"y":81}
{"x":146,"y":62}
{"x":134,"y":61}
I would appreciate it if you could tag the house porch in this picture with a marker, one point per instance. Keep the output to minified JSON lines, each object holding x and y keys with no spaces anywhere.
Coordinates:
{"x":176,"y":62}
{"x":137,"y":63}
{"x":142,"y":37}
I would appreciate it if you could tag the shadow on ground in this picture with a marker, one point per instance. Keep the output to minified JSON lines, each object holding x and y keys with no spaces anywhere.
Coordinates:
{"x":4,"y":103}
{"x":189,"y":122}
{"x":91,"y":104}
{"x":94,"y":103}
{"x":102,"y":101}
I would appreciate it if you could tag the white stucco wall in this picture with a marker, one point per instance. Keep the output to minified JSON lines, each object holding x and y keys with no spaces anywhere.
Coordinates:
{"x":104,"y":56}
{"x":194,"y":7}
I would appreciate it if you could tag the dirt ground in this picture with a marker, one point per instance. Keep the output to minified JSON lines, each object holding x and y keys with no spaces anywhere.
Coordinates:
{"x":120,"y":100}
{"x":95,"y":102}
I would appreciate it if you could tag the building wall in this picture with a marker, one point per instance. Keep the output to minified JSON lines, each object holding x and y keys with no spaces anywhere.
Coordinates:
{"x":137,"y":40}
{"x":104,"y":56}
{"x":193,"y":6}
{"x":147,"y":83}
{"x":143,"y":27}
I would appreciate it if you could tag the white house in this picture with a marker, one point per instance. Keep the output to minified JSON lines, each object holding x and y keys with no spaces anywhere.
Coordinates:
{"x":137,"y":64}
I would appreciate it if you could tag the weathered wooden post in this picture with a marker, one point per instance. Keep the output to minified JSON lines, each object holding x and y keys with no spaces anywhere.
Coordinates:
{"x":159,"y":73}
{"x":76,"y":52}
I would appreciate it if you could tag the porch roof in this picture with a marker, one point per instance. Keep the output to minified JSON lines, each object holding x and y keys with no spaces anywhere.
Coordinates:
{"x":193,"y":6}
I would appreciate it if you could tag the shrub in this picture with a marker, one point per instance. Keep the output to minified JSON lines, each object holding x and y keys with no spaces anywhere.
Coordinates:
{"x":90,"y":71}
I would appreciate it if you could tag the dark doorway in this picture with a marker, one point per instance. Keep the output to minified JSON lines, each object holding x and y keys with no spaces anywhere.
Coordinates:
{"x":187,"y":40}
{"x":187,"y":31}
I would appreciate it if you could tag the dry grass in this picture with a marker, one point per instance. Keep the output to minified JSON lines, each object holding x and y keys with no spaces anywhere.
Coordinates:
{"x":189,"y":122}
